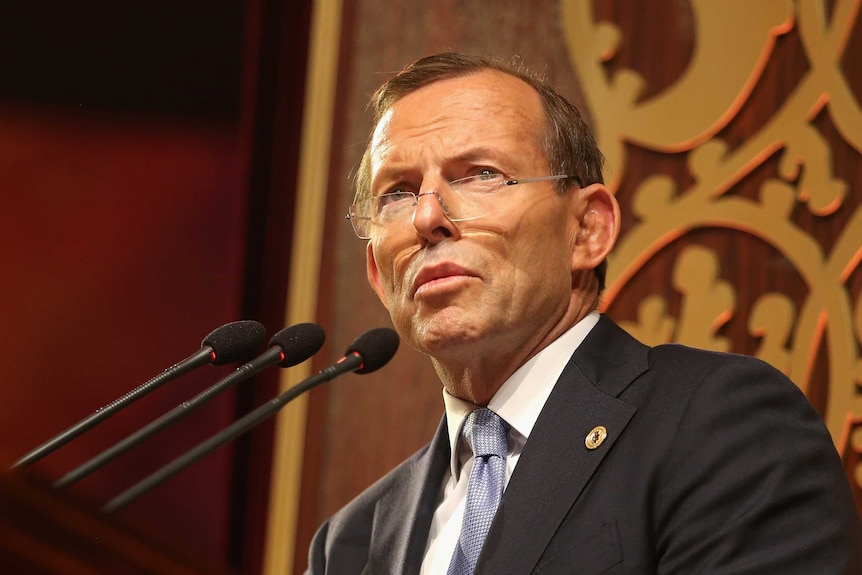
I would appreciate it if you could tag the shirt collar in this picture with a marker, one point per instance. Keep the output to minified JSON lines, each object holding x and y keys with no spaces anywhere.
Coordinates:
{"x":523,"y":395}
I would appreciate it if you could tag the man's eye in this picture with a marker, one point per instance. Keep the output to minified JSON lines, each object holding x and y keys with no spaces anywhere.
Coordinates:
{"x":399,"y":195}
{"x":394,"y":197}
{"x":488,"y":174}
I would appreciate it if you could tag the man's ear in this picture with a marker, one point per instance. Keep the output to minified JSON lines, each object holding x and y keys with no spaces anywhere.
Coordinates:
{"x":598,"y":226}
{"x":374,"y":273}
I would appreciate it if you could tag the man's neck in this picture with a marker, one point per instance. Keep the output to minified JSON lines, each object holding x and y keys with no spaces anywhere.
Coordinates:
{"x":476,"y":376}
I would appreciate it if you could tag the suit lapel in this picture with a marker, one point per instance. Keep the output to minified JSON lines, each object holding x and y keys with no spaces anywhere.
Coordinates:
{"x":403,"y":516}
{"x":556,"y":465}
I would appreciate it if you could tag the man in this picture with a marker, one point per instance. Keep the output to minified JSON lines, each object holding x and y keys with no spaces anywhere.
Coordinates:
{"x":481,"y":196}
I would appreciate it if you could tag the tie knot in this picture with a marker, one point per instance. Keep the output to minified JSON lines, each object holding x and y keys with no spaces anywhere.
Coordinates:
{"x":485,"y":433}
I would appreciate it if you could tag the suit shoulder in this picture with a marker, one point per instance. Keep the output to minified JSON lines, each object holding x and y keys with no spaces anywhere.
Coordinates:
{"x":698,"y":364}
{"x":343,"y":543}
{"x":364,"y":503}
{"x":698,"y":383}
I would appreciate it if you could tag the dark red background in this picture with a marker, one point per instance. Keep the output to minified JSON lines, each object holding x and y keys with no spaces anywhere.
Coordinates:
{"x":147,"y":174}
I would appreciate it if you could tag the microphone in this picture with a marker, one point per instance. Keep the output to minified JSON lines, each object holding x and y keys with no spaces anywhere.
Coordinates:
{"x":368,"y":352}
{"x":229,"y":343}
{"x":290,"y":346}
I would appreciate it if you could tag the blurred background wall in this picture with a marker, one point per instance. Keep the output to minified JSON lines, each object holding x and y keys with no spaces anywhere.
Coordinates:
{"x":148,"y":164}
{"x":168,"y":168}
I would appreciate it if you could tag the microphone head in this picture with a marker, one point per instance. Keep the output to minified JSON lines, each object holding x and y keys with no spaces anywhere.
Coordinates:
{"x":235,"y":341}
{"x":298,"y":342}
{"x":376,"y":347}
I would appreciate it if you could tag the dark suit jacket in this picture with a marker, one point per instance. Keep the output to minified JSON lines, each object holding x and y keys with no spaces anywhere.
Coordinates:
{"x":713,"y":463}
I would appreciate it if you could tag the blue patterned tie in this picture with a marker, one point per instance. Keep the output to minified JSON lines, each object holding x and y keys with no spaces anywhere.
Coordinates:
{"x":485,"y":433}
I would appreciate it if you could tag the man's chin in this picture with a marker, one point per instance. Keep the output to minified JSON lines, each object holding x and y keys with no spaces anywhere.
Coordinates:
{"x":444,"y":341}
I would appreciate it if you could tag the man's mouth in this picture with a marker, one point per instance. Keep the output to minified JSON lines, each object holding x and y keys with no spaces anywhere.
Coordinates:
{"x":438,"y":275}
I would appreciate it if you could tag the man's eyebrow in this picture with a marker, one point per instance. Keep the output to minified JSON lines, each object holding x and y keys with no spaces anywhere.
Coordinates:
{"x":480,"y":153}
{"x":387,"y":176}
{"x":397,"y":171}
{"x":390,"y":173}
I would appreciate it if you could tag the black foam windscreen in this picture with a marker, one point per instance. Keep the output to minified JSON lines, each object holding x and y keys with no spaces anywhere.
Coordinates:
{"x":298,"y":342}
{"x":376,"y":346}
{"x":235,"y":341}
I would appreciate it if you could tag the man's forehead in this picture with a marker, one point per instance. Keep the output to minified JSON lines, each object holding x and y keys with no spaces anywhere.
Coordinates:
{"x":488,"y":96}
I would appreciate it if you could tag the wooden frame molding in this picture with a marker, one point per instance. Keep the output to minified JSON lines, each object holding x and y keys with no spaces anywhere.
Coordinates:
{"x":306,"y":243}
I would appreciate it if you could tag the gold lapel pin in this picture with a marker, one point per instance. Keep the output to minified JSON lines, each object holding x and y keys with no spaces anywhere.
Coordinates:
{"x":596,"y":437}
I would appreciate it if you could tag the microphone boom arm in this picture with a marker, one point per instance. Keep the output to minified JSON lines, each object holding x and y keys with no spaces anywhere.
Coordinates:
{"x":350,"y":362}
{"x":243,"y":372}
{"x":201,"y":357}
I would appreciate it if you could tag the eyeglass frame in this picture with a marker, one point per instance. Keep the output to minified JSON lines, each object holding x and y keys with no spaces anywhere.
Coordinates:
{"x":352,"y":217}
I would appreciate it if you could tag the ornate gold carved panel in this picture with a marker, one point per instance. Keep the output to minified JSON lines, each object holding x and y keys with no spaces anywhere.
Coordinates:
{"x":748,"y":237}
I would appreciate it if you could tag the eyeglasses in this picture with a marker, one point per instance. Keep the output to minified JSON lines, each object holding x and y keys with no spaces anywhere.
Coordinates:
{"x":467,"y":199}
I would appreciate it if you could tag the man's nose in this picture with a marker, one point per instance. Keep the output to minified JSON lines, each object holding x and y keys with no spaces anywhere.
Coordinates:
{"x":430,"y":217}
{"x":432,"y":193}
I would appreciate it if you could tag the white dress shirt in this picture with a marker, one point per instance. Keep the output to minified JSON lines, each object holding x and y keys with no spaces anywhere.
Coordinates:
{"x":518,"y":401}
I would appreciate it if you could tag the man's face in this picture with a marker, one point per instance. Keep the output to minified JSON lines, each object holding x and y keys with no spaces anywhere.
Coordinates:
{"x":501,"y":281}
